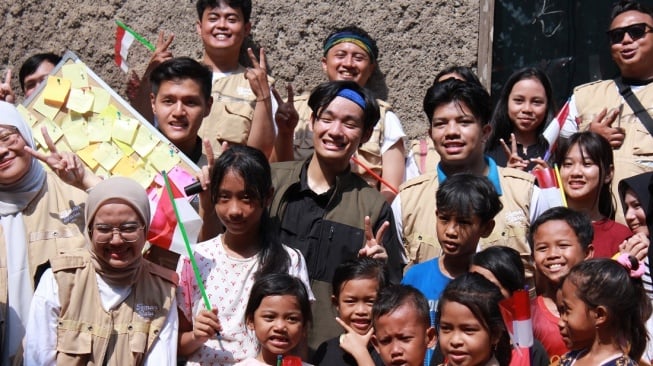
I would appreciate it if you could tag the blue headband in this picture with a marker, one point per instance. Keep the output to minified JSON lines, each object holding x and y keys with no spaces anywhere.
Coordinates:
{"x":353,"y":96}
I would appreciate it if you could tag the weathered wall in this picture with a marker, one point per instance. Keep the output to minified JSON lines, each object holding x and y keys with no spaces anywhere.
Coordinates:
{"x":417,"y":38}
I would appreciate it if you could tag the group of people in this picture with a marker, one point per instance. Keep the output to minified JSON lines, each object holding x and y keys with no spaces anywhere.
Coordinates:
{"x":325,"y":239}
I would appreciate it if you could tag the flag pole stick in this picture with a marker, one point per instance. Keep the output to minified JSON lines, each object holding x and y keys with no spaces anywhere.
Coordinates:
{"x":137,"y":36}
{"x":559,"y":180}
{"x":374,"y":175}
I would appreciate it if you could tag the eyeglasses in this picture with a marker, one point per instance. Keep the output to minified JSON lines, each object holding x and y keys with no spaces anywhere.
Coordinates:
{"x":635,"y":31}
{"x":128,"y":232}
{"x":8,"y":137}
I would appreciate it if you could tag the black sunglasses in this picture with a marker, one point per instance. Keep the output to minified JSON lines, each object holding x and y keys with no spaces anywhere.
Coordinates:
{"x":635,"y":31}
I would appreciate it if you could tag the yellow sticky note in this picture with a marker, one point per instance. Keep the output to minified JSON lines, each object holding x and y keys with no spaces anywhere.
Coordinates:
{"x":80,"y":100}
{"x":56,"y":91}
{"x":144,"y":141}
{"x":76,"y":135}
{"x":101,"y":172}
{"x":163,"y":157}
{"x":99,"y":129}
{"x":108,"y":155}
{"x":53,"y":130}
{"x":109,"y":113}
{"x":27,"y":115}
{"x":144,"y":176}
{"x":126,"y":149}
{"x":46,"y":110}
{"x":76,"y":73}
{"x":126,"y":166}
{"x":101,"y":101}
{"x":86,"y":155}
{"x":124,"y":130}
{"x":62,"y":146}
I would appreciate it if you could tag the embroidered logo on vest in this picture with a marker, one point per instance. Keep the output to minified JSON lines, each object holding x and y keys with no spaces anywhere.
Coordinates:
{"x":146,"y":311}
{"x":68,"y":216}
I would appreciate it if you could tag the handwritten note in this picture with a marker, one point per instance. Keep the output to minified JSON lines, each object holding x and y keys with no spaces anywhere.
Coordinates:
{"x":46,"y":110}
{"x":80,"y":100}
{"x":124,"y":130}
{"x":56,"y":90}
{"x":163,"y":157}
{"x":144,"y":141}
{"x":144,"y":176}
{"x":27,"y":115}
{"x":99,"y":129}
{"x":76,"y":73}
{"x":52,"y":128}
{"x":86,"y":155}
{"x":101,"y":101}
{"x":108,"y":155}
{"x":127,"y":166}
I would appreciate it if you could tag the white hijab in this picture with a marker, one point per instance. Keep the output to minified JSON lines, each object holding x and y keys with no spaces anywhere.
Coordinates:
{"x":14,"y":198}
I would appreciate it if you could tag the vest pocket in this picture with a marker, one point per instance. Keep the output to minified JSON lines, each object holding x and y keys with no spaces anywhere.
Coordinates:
{"x":137,"y":342}
{"x":644,"y":144}
{"x":75,"y":342}
{"x":235,"y":123}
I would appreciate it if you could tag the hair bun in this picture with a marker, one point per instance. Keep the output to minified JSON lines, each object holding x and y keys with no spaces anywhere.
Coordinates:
{"x":631,"y":264}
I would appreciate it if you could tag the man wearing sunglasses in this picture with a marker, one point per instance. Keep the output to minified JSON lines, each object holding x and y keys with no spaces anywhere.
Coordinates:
{"x":600,"y":107}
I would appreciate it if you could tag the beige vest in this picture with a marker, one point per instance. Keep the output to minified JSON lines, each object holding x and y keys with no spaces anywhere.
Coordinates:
{"x":232,"y":111}
{"x":511,"y":223}
{"x":635,"y":156}
{"x":89,"y":335}
{"x":54,"y":223}
{"x":424,"y":154}
{"x":369,"y":153}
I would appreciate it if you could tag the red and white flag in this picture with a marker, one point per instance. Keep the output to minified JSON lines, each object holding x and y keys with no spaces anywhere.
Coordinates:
{"x":164,"y":228}
{"x":552,"y":131}
{"x":516,"y":312}
{"x":124,"y":40}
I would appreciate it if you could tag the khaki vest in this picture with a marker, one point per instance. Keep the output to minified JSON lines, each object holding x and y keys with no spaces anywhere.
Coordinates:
{"x":511,"y":223}
{"x":424,"y":154}
{"x":54,"y":223}
{"x":369,"y":153}
{"x":635,"y":156}
{"x":89,"y":335}
{"x":232,"y":112}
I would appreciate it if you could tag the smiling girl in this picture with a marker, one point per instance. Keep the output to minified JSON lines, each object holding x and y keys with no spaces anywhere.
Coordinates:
{"x":241,"y":188}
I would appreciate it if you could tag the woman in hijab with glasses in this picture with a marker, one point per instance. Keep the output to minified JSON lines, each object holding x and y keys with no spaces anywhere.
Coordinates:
{"x":106,"y":304}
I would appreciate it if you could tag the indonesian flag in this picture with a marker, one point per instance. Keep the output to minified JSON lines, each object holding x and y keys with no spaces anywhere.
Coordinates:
{"x":516,"y":312}
{"x":552,"y":131}
{"x":550,"y":190}
{"x":165,"y":231}
{"x":124,"y":40}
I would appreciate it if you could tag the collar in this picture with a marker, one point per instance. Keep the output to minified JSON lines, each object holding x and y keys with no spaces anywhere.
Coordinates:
{"x":636,"y":82}
{"x":303,"y":178}
{"x":196,"y":154}
{"x":493,"y":174}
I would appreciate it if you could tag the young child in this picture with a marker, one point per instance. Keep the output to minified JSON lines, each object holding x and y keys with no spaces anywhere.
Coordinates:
{"x":466,"y":206}
{"x":561,"y":238}
{"x":503,"y":267}
{"x":470,"y":327}
{"x":279,"y":313}
{"x":402,"y":326}
{"x":586,"y":169}
{"x":603,"y":308}
{"x":355,"y":287}
{"x":525,"y":106}
{"x":240,"y":189}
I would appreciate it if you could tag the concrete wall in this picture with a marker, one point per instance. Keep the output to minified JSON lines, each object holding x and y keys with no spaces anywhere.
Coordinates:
{"x":416,"y":38}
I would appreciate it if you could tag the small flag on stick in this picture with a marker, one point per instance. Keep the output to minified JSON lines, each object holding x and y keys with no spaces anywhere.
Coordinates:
{"x":125,"y":36}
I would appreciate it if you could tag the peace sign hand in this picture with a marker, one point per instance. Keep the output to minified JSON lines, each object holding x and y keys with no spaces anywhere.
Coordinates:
{"x":161,"y":53}
{"x":373,"y":244}
{"x":257,"y":76}
{"x":6,"y":93}
{"x":286,"y":116}
{"x":514,"y":160}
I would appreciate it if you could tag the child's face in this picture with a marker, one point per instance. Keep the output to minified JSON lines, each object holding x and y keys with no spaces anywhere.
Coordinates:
{"x":581,"y":177}
{"x":635,"y":215}
{"x":401,"y":338}
{"x":556,"y":249}
{"x":180,"y":108}
{"x":458,"y":135}
{"x":278,"y":324}
{"x":238,"y":212}
{"x":463,"y":339}
{"x":459,"y":236}
{"x":576,"y":323}
{"x":355,"y":301}
{"x":223,"y":28}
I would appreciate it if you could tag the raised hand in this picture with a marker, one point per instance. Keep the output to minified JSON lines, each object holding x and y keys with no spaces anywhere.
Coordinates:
{"x":257,"y":75}
{"x":373,"y":244}
{"x":67,"y":165}
{"x":514,"y":160}
{"x":602,"y":124}
{"x":286,"y":116}
{"x":161,"y":52}
{"x":356,"y":344}
{"x":6,"y":92}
